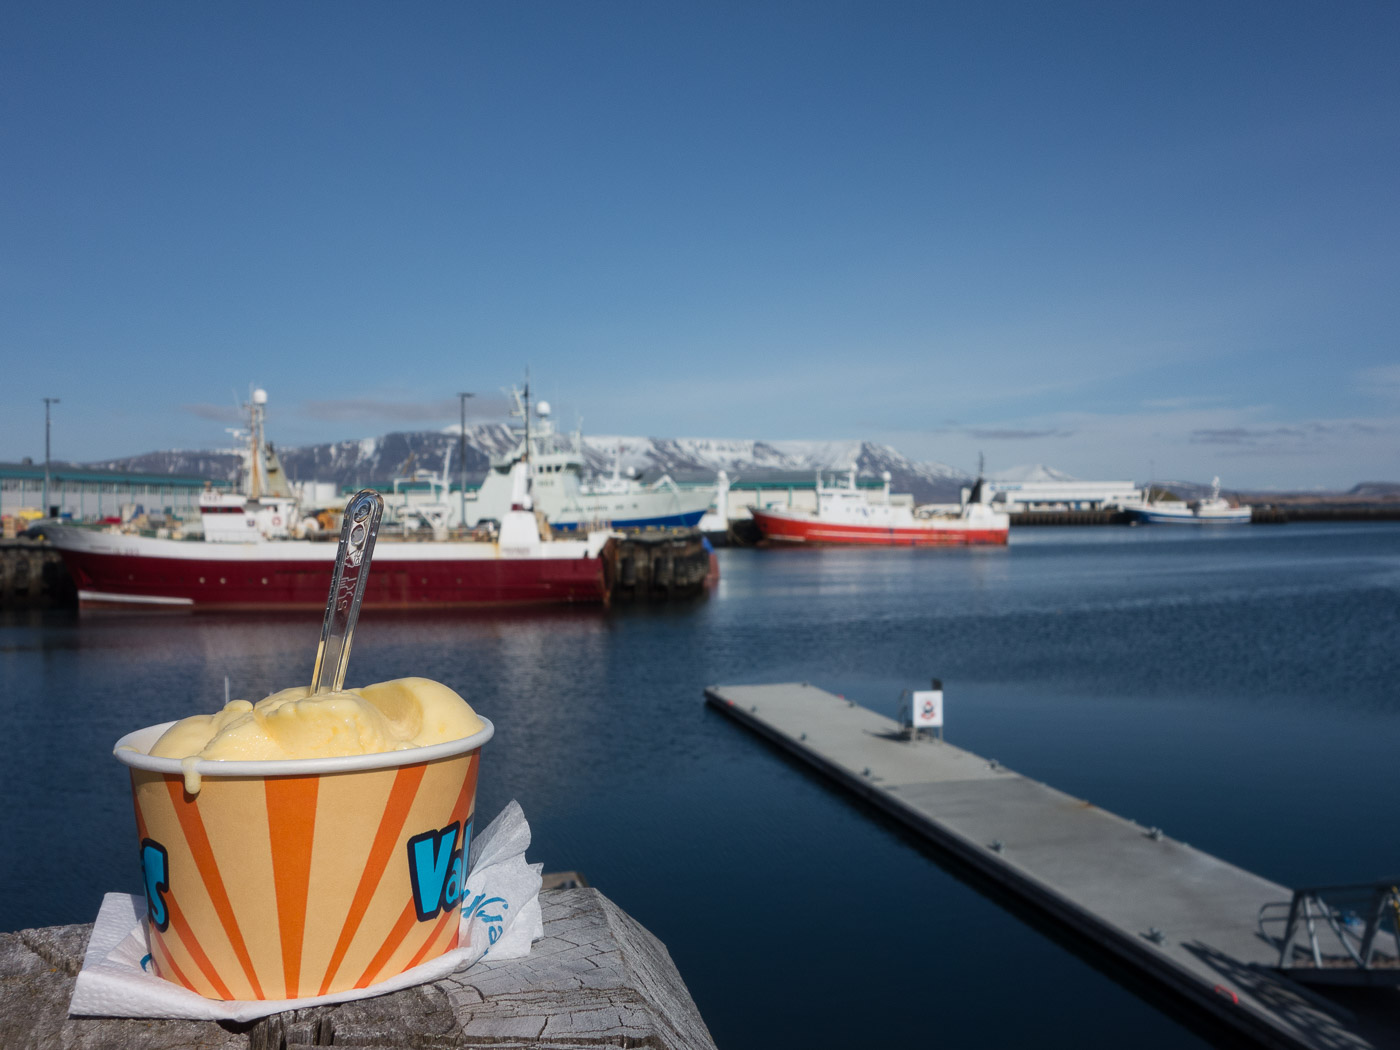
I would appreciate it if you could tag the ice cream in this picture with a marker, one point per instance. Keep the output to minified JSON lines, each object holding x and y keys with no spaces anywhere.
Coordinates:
{"x":387,"y":716}
{"x":325,"y":849}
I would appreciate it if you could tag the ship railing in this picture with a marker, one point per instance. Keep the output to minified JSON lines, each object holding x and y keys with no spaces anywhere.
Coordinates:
{"x":175,"y":531}
{"x":1345,"y":934}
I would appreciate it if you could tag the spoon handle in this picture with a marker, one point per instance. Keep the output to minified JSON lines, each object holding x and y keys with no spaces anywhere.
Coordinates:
{"x":357,"y":535}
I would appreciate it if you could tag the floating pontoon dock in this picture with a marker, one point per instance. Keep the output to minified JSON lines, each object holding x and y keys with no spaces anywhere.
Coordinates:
{"x":1187,"y":920}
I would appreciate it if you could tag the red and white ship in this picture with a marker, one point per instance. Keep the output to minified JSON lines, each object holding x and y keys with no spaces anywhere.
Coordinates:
{"x":845,"y":515}
{"x":257,"y":553}
{"x":114,"y":569}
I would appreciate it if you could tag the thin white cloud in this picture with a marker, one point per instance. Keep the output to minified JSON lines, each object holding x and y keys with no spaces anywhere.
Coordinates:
{"x":382,"y":410}
{"x":216,"y":413}
{"x":1015,"y":433}
{"x":1173,"y":403}
{"x":1313,"y":433}
{"x":1380,"y":379}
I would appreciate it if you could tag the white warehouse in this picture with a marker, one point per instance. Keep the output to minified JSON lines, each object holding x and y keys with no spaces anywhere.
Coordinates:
{"x":1063,"y":495}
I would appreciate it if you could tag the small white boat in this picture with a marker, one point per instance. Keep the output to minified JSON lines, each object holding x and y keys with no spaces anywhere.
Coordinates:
{"x":1211,"y":510}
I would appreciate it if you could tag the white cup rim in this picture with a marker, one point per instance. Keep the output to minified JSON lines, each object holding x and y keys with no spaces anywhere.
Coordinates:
{"x":132,"y":750}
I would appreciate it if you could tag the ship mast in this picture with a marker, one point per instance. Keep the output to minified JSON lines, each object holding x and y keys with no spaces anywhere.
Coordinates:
{"x":255,"y":425}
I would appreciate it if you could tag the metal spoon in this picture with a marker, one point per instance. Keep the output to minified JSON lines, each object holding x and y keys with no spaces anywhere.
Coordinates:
{"x":357,"y":535}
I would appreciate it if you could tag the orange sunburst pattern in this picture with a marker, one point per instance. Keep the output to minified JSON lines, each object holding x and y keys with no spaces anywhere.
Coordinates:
{"x":298,"y":886}
{"x":291,"y":824}
{"x":378,"y":887}
{"x":412,"y":942}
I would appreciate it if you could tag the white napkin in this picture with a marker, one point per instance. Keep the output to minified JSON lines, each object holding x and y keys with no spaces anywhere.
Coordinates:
{"x":113,"y":982}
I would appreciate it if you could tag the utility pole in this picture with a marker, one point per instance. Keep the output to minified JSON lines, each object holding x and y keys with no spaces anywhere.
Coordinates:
{"x":529,"y":462}
{"x":47,"y":402}
{"x":462,"y":460}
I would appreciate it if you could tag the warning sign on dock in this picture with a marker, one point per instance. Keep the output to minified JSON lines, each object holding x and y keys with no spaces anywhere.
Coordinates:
{"x":928,"y":708}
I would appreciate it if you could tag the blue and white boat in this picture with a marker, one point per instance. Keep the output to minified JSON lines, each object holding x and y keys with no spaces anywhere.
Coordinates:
{"x":567,"y":498}
{"x":1210,"y":510}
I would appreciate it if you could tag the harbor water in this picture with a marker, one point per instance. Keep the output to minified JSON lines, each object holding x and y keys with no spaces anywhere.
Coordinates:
{"x":1235,"y":687}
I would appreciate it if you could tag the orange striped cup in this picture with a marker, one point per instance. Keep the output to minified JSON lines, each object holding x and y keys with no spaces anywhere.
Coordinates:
{"x":289,"y":879}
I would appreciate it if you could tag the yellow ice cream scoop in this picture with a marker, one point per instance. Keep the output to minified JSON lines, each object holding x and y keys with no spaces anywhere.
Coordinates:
{"x":294,"y":723}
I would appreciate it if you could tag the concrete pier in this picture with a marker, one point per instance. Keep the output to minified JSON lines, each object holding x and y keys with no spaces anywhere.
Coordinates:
{"x":32,"y":574}
{"x":660,"y":564}
{"x":1182,"y":918}
{"x":1069,"y":517}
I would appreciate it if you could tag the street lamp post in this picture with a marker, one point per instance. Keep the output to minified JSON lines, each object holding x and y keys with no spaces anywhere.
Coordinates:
{"x":47,"y":402}
{"x":462,"y":461}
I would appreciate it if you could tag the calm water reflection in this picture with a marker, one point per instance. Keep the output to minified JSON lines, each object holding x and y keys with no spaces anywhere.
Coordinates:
{"x":1235,"y":688}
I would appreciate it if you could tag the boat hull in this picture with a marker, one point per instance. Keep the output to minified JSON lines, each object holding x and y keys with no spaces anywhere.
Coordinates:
{"x":1153,"y":517}
{"x":686,"y":520}
{"x":296,"y":575}
{"x":809,"y":530}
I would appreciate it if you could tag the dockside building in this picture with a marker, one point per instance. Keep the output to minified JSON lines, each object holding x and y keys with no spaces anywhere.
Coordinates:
{"x":86,"y":493}
{"x":1063,"y":495}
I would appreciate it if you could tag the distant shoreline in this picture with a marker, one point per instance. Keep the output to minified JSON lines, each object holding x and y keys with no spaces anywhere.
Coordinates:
{"x":1276,"y":512}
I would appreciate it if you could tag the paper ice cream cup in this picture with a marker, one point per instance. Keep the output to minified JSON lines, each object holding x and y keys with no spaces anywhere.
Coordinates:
{"x":297,"y":878}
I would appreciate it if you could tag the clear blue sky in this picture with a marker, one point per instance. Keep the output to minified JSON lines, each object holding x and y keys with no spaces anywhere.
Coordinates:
{"x":1098,"y":235}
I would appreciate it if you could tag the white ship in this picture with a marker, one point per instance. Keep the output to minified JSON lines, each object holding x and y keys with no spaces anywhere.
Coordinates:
{"x":568,"y":500}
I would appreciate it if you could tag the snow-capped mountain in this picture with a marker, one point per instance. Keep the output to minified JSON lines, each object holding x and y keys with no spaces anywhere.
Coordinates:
{"x":649,"y":456}
{"x":376,"y":461}
{"x":196,"y":463}
{"x":1030,"y":472}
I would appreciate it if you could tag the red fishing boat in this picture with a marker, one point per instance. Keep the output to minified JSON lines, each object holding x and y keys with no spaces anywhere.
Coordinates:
{"x":847,"y":516}
{"x":256,"y":551}
{"x":111,"y":568}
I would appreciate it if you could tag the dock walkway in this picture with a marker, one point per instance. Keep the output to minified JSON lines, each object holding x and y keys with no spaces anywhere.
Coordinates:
{"x":1182,"y":917}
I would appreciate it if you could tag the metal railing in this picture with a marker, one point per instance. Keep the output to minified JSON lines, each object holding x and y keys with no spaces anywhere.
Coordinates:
{"x":1352,"y":933}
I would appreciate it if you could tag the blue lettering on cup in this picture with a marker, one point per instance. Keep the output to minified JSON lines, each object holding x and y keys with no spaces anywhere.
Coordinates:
{"x":155,"y":872}
{"x":455,"y":887}
{"x":435,"y":871}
